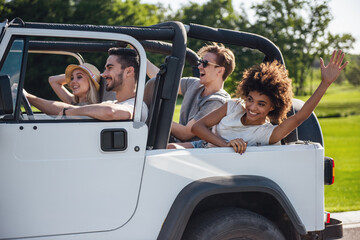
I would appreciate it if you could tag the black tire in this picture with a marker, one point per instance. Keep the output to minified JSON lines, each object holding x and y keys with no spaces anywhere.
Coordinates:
{"x":231,"y":223}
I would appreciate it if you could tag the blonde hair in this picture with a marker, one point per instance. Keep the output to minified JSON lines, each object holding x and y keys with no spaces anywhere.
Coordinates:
{"x":91,"y":97}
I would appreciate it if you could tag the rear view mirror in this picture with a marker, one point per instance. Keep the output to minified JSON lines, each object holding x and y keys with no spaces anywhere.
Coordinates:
{"x":6,"y":102}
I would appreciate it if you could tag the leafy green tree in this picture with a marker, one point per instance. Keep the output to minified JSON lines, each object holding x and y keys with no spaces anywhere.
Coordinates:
{"x":352,"y":71}
{"x":219,"y":14}
{"x":214,"y":13}
{"x":116,"y":12}
{"x":94,"y":12}
{"x":133,"y":12}
{"x":4,"y":10}
{"x":337,"y":41}
{"x":299,"y":29}
{"x":56,"y":11}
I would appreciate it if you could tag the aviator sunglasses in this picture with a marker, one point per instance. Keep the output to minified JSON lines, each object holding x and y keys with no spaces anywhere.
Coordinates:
{"x":206,"y":63}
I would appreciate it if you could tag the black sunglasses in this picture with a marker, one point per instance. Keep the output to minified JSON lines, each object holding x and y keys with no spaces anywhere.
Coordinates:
{"x":206,"y":63}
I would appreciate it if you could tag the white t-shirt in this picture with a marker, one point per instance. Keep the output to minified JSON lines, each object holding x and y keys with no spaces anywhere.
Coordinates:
{"x":129,"y":105}
{"x":231,"y":127}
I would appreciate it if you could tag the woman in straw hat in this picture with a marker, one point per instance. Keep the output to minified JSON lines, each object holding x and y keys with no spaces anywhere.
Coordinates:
{"x":83,"y":80}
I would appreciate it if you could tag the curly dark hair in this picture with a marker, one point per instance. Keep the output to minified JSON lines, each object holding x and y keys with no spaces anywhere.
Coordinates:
{"x":271,"y":79}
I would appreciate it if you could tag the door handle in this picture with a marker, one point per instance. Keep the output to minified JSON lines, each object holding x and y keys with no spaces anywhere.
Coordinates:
{"x":113,"y":139}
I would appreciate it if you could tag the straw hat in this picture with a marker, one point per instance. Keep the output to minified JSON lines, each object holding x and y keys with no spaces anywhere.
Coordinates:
{"x":89,"y":69}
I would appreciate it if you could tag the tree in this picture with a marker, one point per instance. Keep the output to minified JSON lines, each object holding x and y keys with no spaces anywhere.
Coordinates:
{"x":352,"y":72}
{"x":94,"y":12}
{"x":337,"y":41}
{"x":299,"y":29}
{"x":132,"y":12}
{"x":56,"y":11}
{"x":219,"y":14}
{"x":4,"y":10}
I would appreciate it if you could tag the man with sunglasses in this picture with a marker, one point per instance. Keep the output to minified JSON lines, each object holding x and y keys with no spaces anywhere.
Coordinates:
{"x":201,"y":95}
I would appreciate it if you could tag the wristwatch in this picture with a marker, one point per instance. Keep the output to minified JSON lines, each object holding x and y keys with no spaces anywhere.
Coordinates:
{"x":63,"y":112}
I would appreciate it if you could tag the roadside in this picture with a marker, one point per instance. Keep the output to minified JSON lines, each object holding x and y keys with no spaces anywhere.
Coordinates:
{"x":351,"y":224}
{"x":349,"y":219}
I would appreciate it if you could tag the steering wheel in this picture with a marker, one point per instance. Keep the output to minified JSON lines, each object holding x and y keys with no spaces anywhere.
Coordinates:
{"x":27,"y":106}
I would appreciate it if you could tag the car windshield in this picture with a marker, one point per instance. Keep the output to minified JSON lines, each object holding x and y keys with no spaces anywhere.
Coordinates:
{"x":12,"y":66}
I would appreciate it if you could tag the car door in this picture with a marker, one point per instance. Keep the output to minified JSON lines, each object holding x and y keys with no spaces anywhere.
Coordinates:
{"x":64,"y":176}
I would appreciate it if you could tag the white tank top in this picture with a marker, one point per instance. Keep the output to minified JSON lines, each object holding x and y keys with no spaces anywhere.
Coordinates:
{"x":231,"y":127}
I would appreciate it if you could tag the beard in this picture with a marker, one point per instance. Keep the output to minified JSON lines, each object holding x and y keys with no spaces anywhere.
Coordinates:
{"x":117,"y":82}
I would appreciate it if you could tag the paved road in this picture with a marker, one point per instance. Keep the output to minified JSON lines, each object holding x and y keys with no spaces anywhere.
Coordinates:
{"x":351,"y":233}
{"x":351,"y":224}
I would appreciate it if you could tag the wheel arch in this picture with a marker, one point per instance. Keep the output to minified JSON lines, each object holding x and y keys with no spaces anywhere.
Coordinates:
{"x":196,"y":194}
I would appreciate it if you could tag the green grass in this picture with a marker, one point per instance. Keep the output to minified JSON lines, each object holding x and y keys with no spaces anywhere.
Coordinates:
{"x":342,"y":142}
{"x":177,"y":109}
{"x":339,"y":116}
{"x":339,"y":101}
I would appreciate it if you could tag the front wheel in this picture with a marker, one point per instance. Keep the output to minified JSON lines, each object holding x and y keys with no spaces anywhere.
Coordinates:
{"x":231,"y":223}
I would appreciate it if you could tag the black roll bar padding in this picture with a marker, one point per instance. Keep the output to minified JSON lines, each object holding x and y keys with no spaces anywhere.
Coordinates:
{"x":165,"y":48}
{"x":154,"y":46}
{"x":6,"y":101}
{"x":167,"y":104}
{"x":154,"y":104}
{"x":149,"y":45}
{"x":140,"y":33}
{"x":237,"y":38}
{"x":293,"y":136}
{"x":171,"y":63}
{"x":74,"y":46}
{"x":310,"y":129}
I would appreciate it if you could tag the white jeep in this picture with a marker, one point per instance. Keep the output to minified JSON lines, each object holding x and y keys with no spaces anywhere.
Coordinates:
{"x":91,"y":179}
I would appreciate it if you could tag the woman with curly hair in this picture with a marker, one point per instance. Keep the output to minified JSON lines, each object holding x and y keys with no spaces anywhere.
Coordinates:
{"x":266,"y":94}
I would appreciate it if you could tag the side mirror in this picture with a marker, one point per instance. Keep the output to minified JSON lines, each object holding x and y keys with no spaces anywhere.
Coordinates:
{"x":6,"y":102}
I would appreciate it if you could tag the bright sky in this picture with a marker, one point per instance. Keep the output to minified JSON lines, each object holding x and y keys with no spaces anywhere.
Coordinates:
{"x":346,"y":15}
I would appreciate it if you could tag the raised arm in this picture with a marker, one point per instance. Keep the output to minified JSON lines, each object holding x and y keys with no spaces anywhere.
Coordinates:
{"x":329,"y":74}
{"x":101,"y":111}
{"x":47,"y":106}
{"x":57,"y":83}
{"x":151,"y":69}
{"x":202,"y":127}
{"x":182,"y":132}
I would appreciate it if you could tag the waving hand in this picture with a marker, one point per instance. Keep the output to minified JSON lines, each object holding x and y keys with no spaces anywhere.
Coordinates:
{"x":332,"y":71}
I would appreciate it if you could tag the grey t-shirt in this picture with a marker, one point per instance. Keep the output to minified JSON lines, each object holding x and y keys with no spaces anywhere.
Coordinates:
{"x":194,"y":106}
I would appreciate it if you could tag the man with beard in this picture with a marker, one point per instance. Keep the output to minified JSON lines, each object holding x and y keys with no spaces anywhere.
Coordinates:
{"x":121,"y":75}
